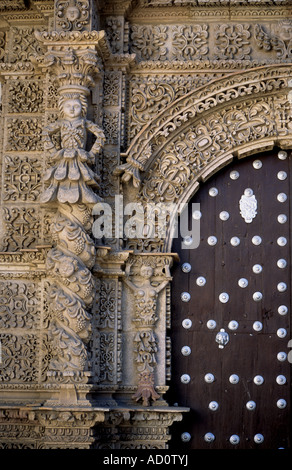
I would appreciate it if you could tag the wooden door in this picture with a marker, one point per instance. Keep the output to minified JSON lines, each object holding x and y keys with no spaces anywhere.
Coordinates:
{"x":239,"y":280}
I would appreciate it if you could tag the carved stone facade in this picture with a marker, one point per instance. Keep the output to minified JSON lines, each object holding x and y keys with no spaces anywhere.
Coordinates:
{"x":104,"y":104}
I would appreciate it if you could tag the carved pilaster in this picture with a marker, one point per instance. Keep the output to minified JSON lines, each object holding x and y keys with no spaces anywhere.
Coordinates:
{"x":147,"y":276}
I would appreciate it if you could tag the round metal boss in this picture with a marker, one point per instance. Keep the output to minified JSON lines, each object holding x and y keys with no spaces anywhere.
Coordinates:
{"x":186,"y":437}
{"x":281,"y":379}
{"x":282,"y":197}
{"x":224,"y":215}
{"x":283,"y":310}
{"x":212,"y":240}
{"x":282,"y":155}
{"x":282,"y":218}
{"x":233,"y":325}
{"x":281,"y":356}
{"x":186,"y":350}
{"x":209,"y":378}
{"x":281,"y":403}
{"x":258,"y":380}
{"x":209,"y":437}
{"x":211,"y":324}
{"x":213,"y":405}
{"x":282,"y":241}
{"x":257,"y":326}
{"x":243,"y":282}
{"x":185,"y":379}
{"x":251,"y":405}
{"x":234,"y":175}
{"x":224,"y":297}
{"x":185,"y":297}
{"x":281,"y":332}
{"x":201,"y":281}
{"x":234,"y":439}
{"x":257,"y":268}
{"x":257,"y":296}
{"x":213,"y":192}
{"x":234,"y":379}
{"x":186,"y":267}
{"x":187,"y":323}
{"x":235,"y":241}
{"x":258,"y":438}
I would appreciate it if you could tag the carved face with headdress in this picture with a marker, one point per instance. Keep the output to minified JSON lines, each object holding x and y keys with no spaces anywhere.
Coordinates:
{"x":73,"y":106}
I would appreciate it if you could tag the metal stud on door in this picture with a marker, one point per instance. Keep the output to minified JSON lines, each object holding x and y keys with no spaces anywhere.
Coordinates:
{"x":231,"y":306}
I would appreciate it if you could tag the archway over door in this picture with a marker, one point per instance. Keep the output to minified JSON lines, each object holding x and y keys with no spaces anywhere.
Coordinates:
{"x":237,"y":280}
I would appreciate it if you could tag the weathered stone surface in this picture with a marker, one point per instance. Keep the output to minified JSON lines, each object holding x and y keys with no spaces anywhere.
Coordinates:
{"x":105,"y":102}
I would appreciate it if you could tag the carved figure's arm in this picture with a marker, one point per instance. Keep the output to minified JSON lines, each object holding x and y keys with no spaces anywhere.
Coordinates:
{"x":48,"y":131}
{"x":99,"y":134}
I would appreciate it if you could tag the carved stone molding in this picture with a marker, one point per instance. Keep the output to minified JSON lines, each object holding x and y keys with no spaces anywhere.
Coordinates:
{"x":180,"y":115}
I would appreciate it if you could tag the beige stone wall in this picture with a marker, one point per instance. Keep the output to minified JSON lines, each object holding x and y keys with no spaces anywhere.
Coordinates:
{"x":170,"y":91}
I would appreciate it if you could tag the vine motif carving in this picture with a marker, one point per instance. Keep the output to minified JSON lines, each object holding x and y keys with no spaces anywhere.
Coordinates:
{"x":281,"y":42}
{"x":23,"y":228}
{"x":24,"y":135}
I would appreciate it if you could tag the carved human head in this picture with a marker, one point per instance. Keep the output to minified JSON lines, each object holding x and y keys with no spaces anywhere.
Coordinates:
{"x":146,"y":271}
{"x":72,"y":13}
{"x":73,"y":105}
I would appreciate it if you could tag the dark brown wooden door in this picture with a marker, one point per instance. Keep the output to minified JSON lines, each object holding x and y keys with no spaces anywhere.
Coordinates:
{"x":239,"y":281}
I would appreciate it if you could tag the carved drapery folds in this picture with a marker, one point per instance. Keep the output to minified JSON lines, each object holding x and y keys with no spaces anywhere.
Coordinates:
{"x":70,"y":185}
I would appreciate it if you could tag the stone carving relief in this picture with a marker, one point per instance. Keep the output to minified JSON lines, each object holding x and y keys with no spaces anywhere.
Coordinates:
{"x":25,"y":96}
{"x":19,"y":306}
{"x":280,"y":42}
{"x":24,"y":134}
{"x":190,"y":42}
{"x":232,"y":41}
{"x":19,"y":358}
{"x":72,"y":14}
{"x":148,"y":42}
{"x":23,"y":228}
{"x":69,"y":180}
{"x":24,"y":44}
{"x":2,"y":45}
{"x":146,"y":291}
{"x":211,"y":137}
{"x":70,"y":185}
{"x":22,"y":178}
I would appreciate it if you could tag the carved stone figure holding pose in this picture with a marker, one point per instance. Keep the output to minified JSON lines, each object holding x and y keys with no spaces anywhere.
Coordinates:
{"x":70,"y":176}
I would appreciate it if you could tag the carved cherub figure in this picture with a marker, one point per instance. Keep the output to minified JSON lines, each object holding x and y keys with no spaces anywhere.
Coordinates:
{"x":70,"y":178}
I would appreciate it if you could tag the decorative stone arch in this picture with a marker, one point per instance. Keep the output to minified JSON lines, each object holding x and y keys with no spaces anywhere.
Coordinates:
{"x":195,"y":136}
